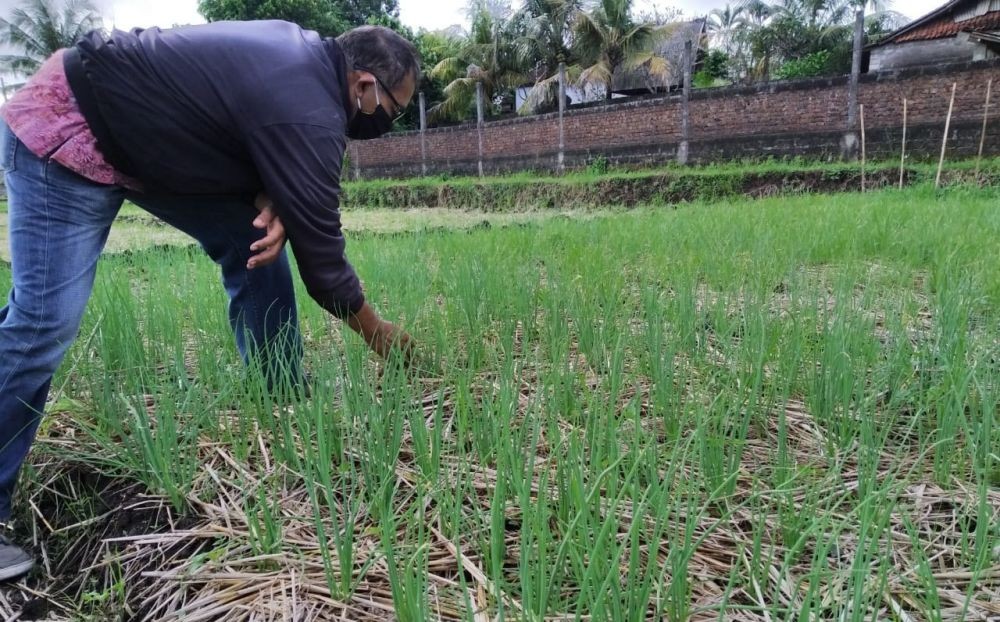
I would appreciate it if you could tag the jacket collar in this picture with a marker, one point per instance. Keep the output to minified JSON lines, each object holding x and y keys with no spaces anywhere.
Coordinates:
{"x":340,"y":63}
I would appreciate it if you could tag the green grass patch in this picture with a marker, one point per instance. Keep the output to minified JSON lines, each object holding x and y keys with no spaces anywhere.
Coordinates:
{"x":667,"y":185}
{"x":135,"y":229}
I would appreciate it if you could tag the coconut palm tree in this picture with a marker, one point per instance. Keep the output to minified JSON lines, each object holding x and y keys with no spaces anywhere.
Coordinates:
{"x":757,"y":12}
{"x":607,"y":39}
{"x":724,"y":23}
{"x":488,"y":55}
{"x":732,"y":29}
{"x":544,"y":41}
{"x":38,"y":28}
{"x":784,"y":31}
{"x":822,"y":15}
{"x":879,"y":15}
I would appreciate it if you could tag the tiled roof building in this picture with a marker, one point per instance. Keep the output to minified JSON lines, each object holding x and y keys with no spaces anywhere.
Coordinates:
{"x":959,"y":31}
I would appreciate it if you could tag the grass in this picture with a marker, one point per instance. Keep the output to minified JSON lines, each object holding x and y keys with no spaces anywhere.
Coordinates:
{"x":773,"y":410}
{"x":663,"y":185}
{"x":135,"y":229}
{"x":600,"y":171}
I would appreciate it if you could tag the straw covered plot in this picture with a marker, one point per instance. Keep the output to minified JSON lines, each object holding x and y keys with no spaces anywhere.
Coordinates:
{"x":780,"y":410}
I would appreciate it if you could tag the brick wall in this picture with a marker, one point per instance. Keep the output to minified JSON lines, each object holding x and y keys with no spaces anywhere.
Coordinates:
{"x":796,"y":118}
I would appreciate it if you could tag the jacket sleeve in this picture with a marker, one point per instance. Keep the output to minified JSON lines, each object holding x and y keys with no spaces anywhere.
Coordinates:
{"x":299,"y":165}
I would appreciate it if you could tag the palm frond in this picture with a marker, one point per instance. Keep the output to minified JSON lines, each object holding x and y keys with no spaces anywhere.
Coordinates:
{"x":20,"y":64}
{"x":892,"y":20}
{"x":541,"y":96}
{"x":39,"y":28}
{"x":589,"y":31}
{"x":457,"y":105}
{"x":460,"y":88}
{"x":637,"y":39}
{"x":14,"y":35}
{"x":598,"y":73}
{"x":448,"y":69}
{"x":654,"y":65}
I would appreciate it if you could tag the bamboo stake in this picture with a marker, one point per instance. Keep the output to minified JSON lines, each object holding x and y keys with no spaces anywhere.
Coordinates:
{"x":944,"y":142}
{"x":986,"y":117}
{"x":902,"y":154}
{"x":861,"y":111}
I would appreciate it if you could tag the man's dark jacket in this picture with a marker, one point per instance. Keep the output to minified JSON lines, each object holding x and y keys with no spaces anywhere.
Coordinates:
{"x":231,"y":108}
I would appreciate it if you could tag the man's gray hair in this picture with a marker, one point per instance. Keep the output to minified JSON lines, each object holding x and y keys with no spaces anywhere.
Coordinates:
{"x":381,"y":51}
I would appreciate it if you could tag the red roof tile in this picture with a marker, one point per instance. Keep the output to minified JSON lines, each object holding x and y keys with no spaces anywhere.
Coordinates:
{"x":945,"y":27}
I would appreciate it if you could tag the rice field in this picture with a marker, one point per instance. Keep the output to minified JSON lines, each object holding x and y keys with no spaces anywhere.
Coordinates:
{"x":783,"y":409}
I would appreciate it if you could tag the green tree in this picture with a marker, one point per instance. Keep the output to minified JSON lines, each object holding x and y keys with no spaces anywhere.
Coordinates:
{"x":724,"y":24}
{"x":487,"y":55}
{"x":38,"y":28}
{"x":658,"y":15}
{"x":757,"y":12}
{"x":728,"y":30}
{"x":808,"y":66}
{"x":816,"y":36}
{"x":608,"y":39}
{"x":433,"y":47}
{"x":319,"y":15}
{"x":358,"y":12}
{"x":544,"y":40}
{"x":714,"y":71}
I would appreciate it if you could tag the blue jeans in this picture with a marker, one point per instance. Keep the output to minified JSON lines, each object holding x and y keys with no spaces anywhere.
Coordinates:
{"x":59,"y":223}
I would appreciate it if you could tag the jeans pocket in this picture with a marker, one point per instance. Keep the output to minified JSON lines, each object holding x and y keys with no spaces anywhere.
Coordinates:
{"x":9,"y":152}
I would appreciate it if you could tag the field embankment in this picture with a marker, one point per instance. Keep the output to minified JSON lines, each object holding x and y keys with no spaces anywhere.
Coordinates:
{"x":667,"y":186}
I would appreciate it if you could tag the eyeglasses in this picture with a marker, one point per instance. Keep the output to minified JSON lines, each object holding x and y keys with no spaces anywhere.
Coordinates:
{"x":398,"y":110}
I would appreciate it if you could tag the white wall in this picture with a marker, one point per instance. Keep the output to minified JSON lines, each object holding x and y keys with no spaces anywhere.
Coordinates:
{"x":940,"y":51}
{"x":576,"y":95}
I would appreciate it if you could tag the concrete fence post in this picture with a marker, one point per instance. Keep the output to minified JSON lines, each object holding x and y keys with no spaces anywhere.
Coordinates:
{"x":683,"y":148}
{"x":423,"y":132}
{"x":562,"y":111}
{"x":355,"y":162}
{"x":479,"y":123}
{"x":849,"y":144}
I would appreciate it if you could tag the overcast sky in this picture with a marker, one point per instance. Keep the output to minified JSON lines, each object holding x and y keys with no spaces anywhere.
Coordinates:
{"x":429,"y":14}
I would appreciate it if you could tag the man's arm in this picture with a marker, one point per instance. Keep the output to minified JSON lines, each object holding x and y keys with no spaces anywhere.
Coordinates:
{"x":299,"y":166}
{"x":378,"y":334}
{"x":381,"y":336}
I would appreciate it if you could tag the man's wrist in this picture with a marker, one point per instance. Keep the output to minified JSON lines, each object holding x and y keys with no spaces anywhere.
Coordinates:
{"x":365,"y":322}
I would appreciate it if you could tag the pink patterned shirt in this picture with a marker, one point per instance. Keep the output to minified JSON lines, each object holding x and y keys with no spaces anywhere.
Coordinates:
{"x":44,"y":115}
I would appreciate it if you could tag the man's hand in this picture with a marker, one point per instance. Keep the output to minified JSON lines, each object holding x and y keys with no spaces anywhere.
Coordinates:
{"x":380,"y":335}
{"x":269,"y":247}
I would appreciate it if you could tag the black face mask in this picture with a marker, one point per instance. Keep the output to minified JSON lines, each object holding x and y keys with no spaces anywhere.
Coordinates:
{"x":366,"y":126}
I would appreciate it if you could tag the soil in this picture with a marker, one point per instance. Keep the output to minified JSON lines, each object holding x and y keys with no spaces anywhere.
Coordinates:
{"x":61,"y":529}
